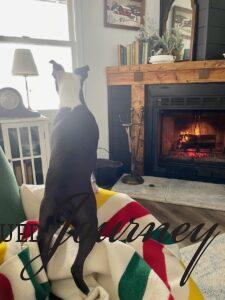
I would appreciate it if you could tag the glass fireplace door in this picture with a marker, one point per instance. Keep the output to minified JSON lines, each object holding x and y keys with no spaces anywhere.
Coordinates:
{"x":193,"y":136}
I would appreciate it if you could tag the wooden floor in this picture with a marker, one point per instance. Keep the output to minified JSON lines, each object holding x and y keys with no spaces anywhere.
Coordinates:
{"x":176,"y":215}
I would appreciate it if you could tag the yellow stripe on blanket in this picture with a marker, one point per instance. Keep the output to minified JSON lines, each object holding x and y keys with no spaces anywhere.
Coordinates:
{"x":102,"y":196}
{"x":3,"y":248}
{"x":194,"y":293}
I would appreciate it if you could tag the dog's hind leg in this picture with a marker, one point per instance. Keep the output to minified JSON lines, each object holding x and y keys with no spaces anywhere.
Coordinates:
{"x":87,"y":240}
{"x":85,"y":223}
{"x":47,"y":229}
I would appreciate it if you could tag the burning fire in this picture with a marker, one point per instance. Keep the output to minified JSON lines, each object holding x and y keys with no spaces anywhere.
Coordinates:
{"x":192,"y":153}
{"x":197,"y":130}
{"x":185,"y":135}
{"x":186,"y":138}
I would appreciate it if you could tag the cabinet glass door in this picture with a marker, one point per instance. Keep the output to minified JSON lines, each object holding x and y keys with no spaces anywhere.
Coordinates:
{"x":1,"y":139}
{"x":26,"y":152}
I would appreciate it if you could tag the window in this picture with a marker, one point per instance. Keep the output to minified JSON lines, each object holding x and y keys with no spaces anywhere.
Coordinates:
{"x":47,"y":28}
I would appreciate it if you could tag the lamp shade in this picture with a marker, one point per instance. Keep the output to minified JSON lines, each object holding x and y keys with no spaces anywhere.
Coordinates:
{"x":23,"y":63}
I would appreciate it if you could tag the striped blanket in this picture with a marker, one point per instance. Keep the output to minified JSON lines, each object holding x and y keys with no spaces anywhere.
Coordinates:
{"x":126,"y":271}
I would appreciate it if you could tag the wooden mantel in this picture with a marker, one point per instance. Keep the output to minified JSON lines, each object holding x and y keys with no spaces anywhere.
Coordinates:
{"x":137,"y":76}
{"x":180,"y":72}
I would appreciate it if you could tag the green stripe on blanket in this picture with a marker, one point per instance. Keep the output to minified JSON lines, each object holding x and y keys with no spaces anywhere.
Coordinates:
{"x":134,"y":280}
{"x":165,"y":238}
{"x":41,"y":290}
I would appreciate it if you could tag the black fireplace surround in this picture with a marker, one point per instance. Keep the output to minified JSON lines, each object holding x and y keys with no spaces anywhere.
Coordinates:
{"x":185,"y":131}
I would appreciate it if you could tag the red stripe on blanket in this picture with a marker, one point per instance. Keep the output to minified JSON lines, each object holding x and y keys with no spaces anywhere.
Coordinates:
{"x":131,"y":211}
{"x":153,"y":255}
{"x":6,"y":292}
{"x":30,"y":228}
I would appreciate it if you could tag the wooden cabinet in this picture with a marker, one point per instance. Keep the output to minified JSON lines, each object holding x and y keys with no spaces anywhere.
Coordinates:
{"x":26,"y":146}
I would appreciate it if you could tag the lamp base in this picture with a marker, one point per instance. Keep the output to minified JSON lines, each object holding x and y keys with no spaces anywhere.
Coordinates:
{"x":132,"y":179}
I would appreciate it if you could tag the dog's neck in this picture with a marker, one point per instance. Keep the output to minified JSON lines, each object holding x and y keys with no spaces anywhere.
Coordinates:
{"x":69,"y":90}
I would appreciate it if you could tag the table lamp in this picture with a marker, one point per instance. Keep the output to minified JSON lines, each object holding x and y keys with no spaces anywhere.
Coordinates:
{"x":24,"y":65}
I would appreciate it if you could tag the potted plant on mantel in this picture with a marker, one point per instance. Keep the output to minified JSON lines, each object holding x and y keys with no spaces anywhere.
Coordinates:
{"x":165,"y":49}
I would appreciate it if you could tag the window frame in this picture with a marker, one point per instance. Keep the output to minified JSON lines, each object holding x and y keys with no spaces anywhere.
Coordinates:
{"x":71,"y":43}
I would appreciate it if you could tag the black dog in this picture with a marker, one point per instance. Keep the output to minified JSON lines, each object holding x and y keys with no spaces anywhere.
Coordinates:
{"x":69,"y":198}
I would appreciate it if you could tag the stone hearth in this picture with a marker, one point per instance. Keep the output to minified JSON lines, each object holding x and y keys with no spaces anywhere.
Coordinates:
{"x":175,"y":191}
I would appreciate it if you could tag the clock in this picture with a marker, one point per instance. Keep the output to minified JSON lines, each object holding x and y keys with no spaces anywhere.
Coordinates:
{"x":11,"y":105}
{"x":10,"y":98}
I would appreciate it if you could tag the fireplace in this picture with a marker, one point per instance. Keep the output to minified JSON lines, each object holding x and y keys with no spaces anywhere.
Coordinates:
{"x":185,"y":131}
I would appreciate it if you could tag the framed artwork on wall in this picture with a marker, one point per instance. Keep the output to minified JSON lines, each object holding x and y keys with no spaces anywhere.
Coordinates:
{"x":182,"y":20}
{"x":124,"y":14}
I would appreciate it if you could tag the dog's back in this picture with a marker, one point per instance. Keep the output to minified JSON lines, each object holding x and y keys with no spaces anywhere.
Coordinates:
{"x":74,"y":151}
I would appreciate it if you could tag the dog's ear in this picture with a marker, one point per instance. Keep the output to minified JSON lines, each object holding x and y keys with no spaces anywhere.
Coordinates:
{"x":57,"y":72}
{"x":56,"y":66}
{"x":82,"y":72}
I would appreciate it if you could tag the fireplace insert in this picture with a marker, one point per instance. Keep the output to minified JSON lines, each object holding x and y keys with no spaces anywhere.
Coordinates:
{"x":185,"y":131}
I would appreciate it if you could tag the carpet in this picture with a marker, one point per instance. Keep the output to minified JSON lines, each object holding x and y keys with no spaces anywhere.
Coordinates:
{"x":210,"y":270}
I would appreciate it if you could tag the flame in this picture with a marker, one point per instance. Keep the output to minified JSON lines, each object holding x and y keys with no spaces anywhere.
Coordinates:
{"x":197,"y":130}
{"x":185,"y":134}
{"x":184,"y":137}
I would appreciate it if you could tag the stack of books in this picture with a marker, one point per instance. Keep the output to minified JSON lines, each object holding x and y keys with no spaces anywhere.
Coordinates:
{"x":133,"y":54}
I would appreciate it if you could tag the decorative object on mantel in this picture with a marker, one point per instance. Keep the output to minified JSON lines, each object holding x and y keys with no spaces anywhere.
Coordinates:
{"x":133,"y":178}
{"x":124,"y":15}
{"x":24,"y":65}
{"x":11,"y":105}
{"x":174,"y":15}
{"x":133,"y":54}
{"x":148,"y":46}
{"x":182,"y":18}
{"x":159,"y":59}
{"x":172,"y":43}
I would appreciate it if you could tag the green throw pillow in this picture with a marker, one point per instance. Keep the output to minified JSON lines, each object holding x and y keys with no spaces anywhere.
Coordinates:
{"x":11,"y":209}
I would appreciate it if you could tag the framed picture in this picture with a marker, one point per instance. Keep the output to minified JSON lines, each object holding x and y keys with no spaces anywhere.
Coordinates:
{"x":182,"y":20}
{"x":124,"y":14}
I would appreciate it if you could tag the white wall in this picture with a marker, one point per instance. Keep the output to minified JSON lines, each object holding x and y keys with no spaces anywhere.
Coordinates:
{"x":97,"y":47}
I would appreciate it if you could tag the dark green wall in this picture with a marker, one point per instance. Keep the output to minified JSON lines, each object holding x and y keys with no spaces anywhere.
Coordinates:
{"x":210,"y":42}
